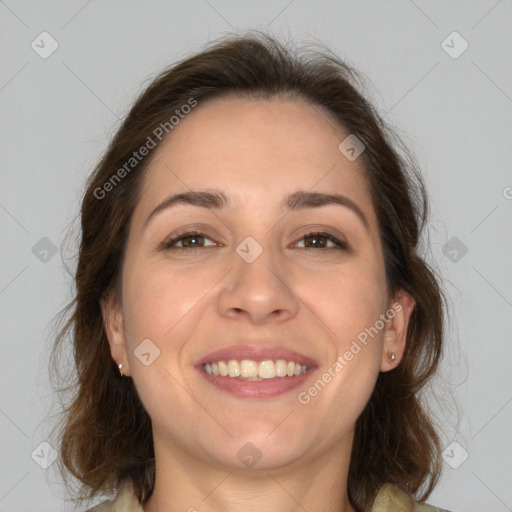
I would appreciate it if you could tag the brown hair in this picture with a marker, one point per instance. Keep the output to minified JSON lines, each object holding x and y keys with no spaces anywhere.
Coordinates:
{"x":106,"y":435}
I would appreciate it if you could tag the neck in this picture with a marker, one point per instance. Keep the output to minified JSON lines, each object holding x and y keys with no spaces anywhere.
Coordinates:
{"x":186,"y":483}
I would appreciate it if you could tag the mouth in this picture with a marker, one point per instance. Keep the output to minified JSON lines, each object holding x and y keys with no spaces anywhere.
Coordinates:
{"x":256,"y":371}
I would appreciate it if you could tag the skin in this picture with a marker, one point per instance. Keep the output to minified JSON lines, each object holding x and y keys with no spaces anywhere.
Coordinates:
{"x":313,"y":300}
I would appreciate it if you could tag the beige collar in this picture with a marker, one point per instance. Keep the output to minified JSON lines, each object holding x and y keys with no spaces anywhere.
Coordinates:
{"x":390,"y":498}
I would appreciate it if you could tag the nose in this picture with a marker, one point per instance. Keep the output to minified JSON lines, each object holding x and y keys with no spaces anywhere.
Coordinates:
{"x":258,"y":292}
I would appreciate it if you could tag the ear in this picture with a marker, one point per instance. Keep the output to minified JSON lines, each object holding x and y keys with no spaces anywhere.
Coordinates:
{"x":114,"y":327}
{"x":398,"y":315}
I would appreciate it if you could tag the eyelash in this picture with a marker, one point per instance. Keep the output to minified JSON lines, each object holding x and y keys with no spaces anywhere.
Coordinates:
{"x":168,"y":244}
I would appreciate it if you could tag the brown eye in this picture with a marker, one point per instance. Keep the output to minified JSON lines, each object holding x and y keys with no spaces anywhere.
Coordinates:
{"x":318,"y":240}
{"x":191,"y":240}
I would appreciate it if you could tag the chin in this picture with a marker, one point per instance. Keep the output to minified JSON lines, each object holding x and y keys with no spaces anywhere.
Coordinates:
{"x":252,"y":451}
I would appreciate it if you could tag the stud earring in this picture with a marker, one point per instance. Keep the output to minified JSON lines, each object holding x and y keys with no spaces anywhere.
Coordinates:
{"x":391,"y":357}
{"x":120,"y":366}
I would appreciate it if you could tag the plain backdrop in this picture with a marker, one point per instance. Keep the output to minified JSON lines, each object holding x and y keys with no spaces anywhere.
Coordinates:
{"x":449,"y":96}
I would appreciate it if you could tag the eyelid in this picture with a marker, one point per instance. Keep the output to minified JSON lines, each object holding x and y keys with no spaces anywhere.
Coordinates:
{"x":190,"y":232}
{"x":335,"y":239}
{"x":325,"y":230}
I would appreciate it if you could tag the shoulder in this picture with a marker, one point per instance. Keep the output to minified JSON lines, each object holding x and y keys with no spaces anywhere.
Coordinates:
{"x":391,"y":498}
{"x":125,"y":501}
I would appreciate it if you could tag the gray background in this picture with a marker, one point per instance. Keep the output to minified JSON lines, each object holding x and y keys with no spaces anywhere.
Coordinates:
{"x":455,"y":114}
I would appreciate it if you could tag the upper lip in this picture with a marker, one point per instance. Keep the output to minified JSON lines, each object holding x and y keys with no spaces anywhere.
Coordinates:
{"x":256,"y":353}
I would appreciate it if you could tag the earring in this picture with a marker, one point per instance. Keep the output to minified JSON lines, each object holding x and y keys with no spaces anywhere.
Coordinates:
{"x":391,"y":357}
{"x":120,"y":366}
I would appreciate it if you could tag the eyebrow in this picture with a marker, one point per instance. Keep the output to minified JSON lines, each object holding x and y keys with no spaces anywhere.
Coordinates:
{"x":299,"y":200}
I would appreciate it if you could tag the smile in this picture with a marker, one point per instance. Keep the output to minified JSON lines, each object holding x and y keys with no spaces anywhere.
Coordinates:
{"x":250,"y":370}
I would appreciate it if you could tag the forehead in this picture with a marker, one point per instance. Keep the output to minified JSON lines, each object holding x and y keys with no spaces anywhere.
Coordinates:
{"x":258,"y":149}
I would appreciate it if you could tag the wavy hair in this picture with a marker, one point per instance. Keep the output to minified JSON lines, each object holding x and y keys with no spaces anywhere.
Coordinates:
{"x":105,"y":433}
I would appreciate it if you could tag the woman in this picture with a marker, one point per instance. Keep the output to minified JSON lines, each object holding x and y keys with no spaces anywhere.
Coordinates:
{"x":253,"y":322}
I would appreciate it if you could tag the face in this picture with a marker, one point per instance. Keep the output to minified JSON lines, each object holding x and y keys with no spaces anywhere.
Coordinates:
{"x":260,"y":272}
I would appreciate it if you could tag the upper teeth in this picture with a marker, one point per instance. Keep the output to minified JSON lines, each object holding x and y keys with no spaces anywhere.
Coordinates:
{"x":253,"y":370}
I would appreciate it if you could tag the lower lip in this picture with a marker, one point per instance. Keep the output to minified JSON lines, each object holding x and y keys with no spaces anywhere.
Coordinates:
{"x":256,"y":388}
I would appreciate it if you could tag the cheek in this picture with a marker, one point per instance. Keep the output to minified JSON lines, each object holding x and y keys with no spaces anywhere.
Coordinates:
{"x":350,"y":309}
{"x":349,"y":304}
{"x":157,"y":297}
{"x":349,"y":300}
{"x":164,"y":305}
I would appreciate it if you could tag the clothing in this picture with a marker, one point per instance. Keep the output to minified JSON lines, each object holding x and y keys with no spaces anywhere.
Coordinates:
{"x":390,"y":498}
